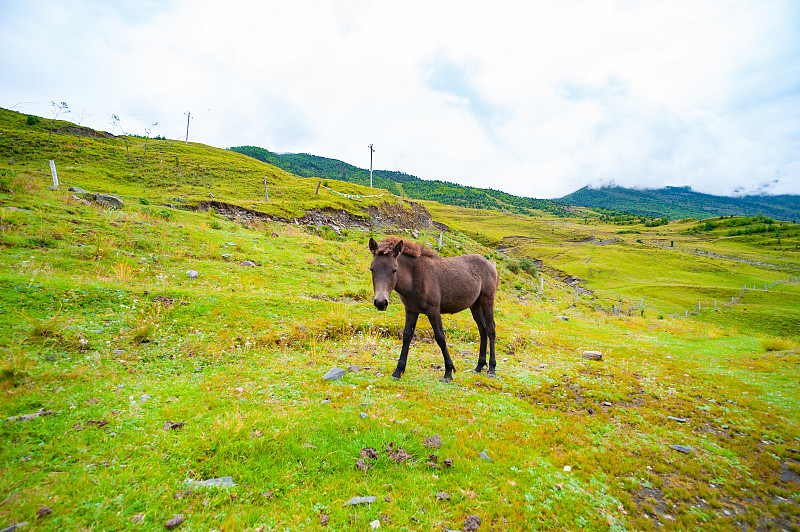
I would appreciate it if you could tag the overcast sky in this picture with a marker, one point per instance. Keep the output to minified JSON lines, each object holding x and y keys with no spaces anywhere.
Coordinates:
{"x":531,"y":97}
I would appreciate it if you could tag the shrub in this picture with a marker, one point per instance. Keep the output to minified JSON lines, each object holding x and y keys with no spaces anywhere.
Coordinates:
{"x":528,"y":266}
{"x":513,"y":265}
{"x":32,"y":120}
{"x":8,"y":181}
{"x":144,"y":201}
{"x":778,"y":344}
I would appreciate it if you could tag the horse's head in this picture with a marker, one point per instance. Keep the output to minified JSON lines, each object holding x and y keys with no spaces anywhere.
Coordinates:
{"x":384,"y":271}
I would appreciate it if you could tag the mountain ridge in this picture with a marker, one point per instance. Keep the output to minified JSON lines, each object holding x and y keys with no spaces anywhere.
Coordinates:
{"x":676,"y":202}
{"x":672,"y":202}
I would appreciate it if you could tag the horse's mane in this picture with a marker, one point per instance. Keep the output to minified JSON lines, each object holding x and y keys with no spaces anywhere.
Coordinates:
{"x":412,"y":249}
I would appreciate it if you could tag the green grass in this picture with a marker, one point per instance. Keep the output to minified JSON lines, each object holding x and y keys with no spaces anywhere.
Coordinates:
{"x":99,"y":322}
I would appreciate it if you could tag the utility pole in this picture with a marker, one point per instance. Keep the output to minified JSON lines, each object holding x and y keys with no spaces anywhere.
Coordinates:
{"x":188,"y":117}
{"x":371,"y":151}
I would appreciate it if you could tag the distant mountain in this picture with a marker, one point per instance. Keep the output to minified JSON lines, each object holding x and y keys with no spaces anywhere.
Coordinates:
{"x":402,"y":184}
{"x":682,"y":202}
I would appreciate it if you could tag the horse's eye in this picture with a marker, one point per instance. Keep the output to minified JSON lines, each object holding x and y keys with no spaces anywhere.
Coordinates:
{"x":394,"y":271}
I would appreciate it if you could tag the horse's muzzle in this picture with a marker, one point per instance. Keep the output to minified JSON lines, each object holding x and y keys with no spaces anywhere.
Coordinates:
{"x":381,"y":304}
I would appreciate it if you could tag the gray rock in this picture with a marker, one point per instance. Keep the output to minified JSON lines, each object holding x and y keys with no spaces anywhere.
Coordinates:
{"x":210,"y":195}
{"x":118,"y":352}
{"x":108,"y":200}
{"x":485,"y":456}
{"x":174,"y":522}
{"x":678,"y":419}
{"x":18,"y":526}
{"x":78,"y":190}
{"x":592,"y":355}
{"x":219,"y":482}
{"x":145,"y":397}
{"x":471,"y":523}
{"x":247,"y":263}
{"x":192,"y":274}
{"x":334,"y":374}
{"x":52,"y":188}
{"x":227,"y":255}
{"x":363,"y":415}
{"x":360,"y":500}
{"x":686,"y":449}
{"x":180,"y":200}
{"x":563,"y":318}
{"x":353,"y":368}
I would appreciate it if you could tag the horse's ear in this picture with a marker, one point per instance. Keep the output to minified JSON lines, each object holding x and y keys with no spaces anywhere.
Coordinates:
{"x":373,"y":246}
{"x":397,"y":249}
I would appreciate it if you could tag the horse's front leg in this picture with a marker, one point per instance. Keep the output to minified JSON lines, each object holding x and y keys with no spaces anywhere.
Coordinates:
{"x":438,"y":334}
{"x":408,"y":334}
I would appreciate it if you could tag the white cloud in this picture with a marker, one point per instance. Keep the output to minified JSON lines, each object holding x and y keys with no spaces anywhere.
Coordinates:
{"x":534,"y":98}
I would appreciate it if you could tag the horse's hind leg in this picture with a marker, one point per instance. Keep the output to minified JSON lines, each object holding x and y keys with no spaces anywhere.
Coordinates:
{"x":477,"y":315}
{"x":488,"y":312}
{"x":438,"y":334}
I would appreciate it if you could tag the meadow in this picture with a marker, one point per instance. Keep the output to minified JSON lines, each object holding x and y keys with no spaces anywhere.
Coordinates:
{"x":126,"y":383}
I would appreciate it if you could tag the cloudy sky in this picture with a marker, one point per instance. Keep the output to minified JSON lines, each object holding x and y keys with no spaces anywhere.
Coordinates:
{"x":536,"y":98}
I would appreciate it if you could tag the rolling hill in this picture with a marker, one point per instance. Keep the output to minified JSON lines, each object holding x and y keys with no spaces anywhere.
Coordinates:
{"x":402,"y":184}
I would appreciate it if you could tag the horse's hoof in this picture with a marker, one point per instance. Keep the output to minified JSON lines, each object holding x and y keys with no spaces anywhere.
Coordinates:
{"x":447,"y":380}
{"x":477,"y":370}
{"x":491,"y":375}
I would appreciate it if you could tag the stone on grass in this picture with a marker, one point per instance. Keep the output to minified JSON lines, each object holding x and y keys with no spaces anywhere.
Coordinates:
{"x":108,"y":200}
{"x":592,"y":355}
{"x":562,"y":318}
{"x":442,"y":496}
{"x":219,"y":482}
{"x":43,"y":511}
{"x":334,"y":374}
{"x":678,"y":419}
{"x":363,"y":415}
{"x":192,"y":274}
{"x":686,"y":449}
{"x":174,"y":522}
{"x":247,"y":263}
{"x":376,"y":524}
{"x":361,"y":500}
{"x":472,"y":522}
{"x":485,"y":456}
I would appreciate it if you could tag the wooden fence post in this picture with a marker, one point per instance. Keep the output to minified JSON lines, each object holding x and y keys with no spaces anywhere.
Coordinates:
{"x":316,"y":193}
{"x":53,"y":173}
{"x":266,"y":195}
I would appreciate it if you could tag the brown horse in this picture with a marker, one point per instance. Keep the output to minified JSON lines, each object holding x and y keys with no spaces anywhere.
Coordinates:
{"x":433,"y":285}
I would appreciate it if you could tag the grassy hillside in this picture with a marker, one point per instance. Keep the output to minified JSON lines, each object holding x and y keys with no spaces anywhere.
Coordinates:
{"x":125,"y":382}
{"x":682,"y":202}
{"x":403,"y":184}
